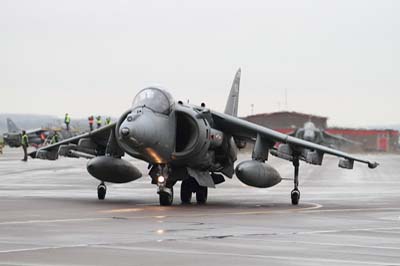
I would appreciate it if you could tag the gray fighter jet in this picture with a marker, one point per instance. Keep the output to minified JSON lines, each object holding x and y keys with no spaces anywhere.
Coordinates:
{"x":188,"y":143}
{"x":313,"y":134}
{"x":12,"y":138}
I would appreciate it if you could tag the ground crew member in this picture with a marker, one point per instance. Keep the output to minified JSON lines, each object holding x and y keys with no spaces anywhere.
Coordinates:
{"x":55,"y":138}
{"x":67,"y":120}
{"x":108,"y":120}
{"x":24,"y":144}
{"x":91,"y":120}
{"x":98,"y":121}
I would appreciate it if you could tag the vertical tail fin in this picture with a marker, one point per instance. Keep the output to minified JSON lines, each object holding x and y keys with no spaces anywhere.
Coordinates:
{"x":12,"y":128}
{"x":231,"y":107}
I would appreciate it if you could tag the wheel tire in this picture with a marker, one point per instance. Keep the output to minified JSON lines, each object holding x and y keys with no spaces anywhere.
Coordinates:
{"x":295,"y":195}
{"x":186,"y":191}
{"x":167,"y":199}
{"x":101,"y":191}
{"x":201,"y":195}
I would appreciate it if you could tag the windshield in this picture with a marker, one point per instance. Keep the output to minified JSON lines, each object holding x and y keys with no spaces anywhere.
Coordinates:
{"x":156,"y":99}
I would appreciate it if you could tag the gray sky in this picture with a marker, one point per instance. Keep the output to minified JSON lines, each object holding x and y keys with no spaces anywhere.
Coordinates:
{"x":335,"y":58}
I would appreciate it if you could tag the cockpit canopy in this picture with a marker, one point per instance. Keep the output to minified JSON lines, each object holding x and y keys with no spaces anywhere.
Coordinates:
{"x":156,"y":99}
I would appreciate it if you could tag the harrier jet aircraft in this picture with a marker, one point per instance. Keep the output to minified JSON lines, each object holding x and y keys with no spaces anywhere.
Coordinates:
{"x":13,"y":137}
{"x":313,"y":134}
{"x":188,"y":143}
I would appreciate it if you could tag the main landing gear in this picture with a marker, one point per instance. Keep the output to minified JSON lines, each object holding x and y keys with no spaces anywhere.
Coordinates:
{"x":190,"y":186}
{"x":295,"y":194}
{"x":101,"y":191}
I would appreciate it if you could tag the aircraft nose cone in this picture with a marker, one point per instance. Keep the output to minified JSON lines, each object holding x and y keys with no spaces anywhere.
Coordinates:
{"x":125,"y":132}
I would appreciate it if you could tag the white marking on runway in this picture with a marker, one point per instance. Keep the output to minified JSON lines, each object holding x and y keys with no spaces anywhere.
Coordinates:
{"x":284,"y":258}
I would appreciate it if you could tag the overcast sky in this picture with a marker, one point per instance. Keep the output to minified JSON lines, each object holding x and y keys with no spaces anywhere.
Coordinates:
{"x":338,"y":59}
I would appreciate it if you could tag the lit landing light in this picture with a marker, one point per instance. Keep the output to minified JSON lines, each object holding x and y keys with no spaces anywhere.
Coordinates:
{"x":161,"y":179}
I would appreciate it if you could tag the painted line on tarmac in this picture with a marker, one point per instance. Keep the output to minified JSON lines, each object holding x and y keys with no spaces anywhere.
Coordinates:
{"x":257,"y":256}
{"x":290,"y":210}
{"x":55,"y":221}
{"x":313,"y":206}
{"x":353,"y":210}
{"x":42,"y":248}
{"x":316,"y":243}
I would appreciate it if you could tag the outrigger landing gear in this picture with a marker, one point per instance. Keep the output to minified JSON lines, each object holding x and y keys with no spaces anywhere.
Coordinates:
{"x":295,"y":194}
{"x":101,"y":191}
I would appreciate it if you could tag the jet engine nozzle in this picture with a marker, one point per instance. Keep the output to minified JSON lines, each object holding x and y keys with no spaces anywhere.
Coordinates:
{"x":257,"y":174}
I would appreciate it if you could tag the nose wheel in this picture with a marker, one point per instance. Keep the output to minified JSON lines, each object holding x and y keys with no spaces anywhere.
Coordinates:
{"x":295,"y":194}
{"x":101,"y":191}
{"x":166,"y":196}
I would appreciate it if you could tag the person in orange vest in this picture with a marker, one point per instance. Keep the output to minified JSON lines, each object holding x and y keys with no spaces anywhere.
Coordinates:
{"x":91,"y":121}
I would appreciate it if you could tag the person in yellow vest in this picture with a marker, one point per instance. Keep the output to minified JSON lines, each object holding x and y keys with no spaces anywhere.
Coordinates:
{"x":98,"y":121}
{"x":108,"y":120}
{"x":67,"y":120}
{"x":55,"y":138}
{"x":24,"y":144}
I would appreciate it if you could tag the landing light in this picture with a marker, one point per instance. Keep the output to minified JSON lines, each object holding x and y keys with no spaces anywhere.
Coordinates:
{"x":161,"y":179}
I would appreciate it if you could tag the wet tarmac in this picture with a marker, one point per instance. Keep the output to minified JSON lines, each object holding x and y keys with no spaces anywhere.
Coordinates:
{"x":50,"y":215}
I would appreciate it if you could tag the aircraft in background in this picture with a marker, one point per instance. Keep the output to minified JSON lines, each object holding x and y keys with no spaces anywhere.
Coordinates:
{"x":188,"y":143}
{"x":12,"y":138}
{"x":313,"y":134}
{"x":36,"y":137}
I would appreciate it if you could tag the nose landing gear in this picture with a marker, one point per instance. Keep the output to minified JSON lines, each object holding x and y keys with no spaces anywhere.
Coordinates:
{"x":166,"y":196}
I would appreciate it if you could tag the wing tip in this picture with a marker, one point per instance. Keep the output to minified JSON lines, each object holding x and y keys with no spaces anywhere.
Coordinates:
{"x":372,"y":165}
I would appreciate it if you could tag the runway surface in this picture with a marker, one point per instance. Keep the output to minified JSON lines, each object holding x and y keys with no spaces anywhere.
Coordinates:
{"x":50,"y":215}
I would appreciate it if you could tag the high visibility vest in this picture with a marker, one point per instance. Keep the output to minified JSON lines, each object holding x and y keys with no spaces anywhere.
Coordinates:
{"x":67,"y":119}
{"x":54,"y":139}
{"x":24,"y":140}
{"x":108,"y":121}
{"x":98,"y":121}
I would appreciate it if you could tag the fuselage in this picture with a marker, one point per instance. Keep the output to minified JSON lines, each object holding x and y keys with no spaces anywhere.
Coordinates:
{"x":162,"y":131}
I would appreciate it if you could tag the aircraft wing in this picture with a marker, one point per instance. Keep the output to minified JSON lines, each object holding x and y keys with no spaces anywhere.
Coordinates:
{"x":304,"y":150}
{"x":87,"y":145}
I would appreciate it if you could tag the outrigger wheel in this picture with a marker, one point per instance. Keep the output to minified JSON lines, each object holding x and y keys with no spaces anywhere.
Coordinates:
{"x":101,"y":191}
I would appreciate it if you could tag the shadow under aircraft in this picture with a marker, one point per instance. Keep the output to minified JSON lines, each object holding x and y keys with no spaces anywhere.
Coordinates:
{"x":189,"y":143}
